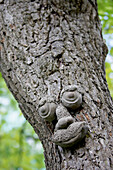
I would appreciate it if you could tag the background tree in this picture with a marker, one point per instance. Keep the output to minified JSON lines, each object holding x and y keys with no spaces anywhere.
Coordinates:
{"x":89,"y":142}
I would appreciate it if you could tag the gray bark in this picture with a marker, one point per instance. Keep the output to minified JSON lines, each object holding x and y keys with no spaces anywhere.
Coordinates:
{"x":45,"y":46}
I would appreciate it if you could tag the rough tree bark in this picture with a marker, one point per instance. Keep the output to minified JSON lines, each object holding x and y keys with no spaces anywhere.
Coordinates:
{"x":45,"y":46}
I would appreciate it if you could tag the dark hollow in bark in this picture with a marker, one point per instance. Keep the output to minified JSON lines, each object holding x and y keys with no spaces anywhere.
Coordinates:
{"x":45,"y":46}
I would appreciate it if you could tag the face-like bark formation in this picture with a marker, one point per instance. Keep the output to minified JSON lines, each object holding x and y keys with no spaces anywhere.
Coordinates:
{"x":45,"y":47}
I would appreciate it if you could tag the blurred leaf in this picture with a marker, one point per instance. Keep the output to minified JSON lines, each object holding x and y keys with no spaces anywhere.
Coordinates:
{"x":105,"y":9}
{"x":111,"y":51}
{"x":109,"y":78}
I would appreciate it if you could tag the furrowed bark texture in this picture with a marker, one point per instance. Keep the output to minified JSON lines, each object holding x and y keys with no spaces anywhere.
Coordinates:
{"x":46,"y":45}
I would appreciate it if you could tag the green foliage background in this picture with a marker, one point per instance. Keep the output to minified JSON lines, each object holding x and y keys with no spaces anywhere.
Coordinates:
{"x":20,"y":148}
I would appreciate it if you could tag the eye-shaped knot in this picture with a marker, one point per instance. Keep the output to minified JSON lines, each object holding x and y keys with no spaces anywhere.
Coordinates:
{"x":47,"y":109}
{"x":71,"y":98}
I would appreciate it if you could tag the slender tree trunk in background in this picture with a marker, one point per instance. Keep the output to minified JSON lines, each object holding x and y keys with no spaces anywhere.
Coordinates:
{"x":45,"y":46}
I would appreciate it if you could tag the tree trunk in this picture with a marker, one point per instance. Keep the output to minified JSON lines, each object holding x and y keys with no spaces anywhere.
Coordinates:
{"x":50,"y":45}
